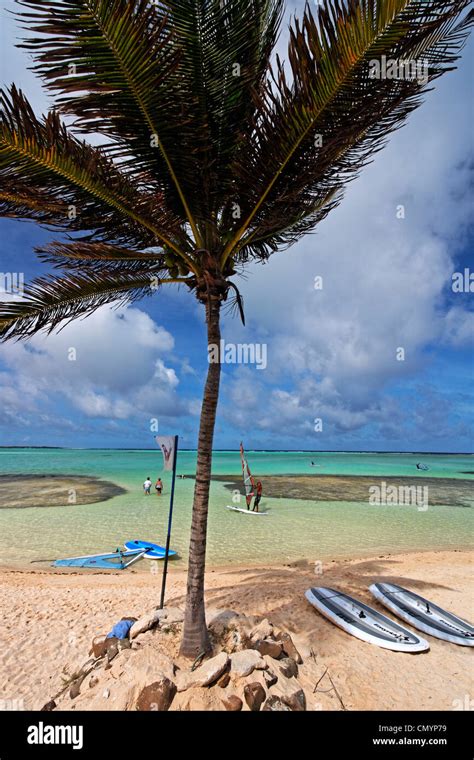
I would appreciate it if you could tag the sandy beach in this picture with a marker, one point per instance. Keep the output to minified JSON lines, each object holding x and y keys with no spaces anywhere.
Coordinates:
{"x":50,"y":618}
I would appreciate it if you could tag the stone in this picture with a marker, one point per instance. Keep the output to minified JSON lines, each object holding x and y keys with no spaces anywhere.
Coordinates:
{"x":288,"y":647}
{"x":223,"y":680}
{"x":254,"y":695}
{"x":232,"y":703}
{"x":275,"y":704}
{"x":291,"y":693}
{"x":270,"y":678}
{"x":157,"y":696}
{"x":111,"y":651}
{"x":262,"y":630}
{"x":49,"y":706}
{"x":296,"y":700}
{"x":269,"y":647}
{"x":216,"y":615}
{"x":145,"y":666}
{"x":229,"y":630}
{"x":171,"y":615}
{"x":98,"y":646}
{"x":93,"y":681}
{"x":150,"y":620}
{"x":288,"y":667}
{"x":207,"y":674}
{"x":243,"y":663}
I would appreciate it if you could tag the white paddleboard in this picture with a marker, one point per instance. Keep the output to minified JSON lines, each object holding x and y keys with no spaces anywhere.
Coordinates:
{"x":246,"y":511}
{"x":423,"y":614}
{"x":363,"y":621}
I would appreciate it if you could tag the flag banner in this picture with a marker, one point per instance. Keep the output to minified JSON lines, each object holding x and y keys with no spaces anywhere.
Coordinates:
{"x":167,"y":446}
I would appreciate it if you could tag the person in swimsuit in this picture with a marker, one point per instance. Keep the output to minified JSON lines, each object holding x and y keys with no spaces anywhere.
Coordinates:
{"x":258,"y":496}
{"x":159,"y":487}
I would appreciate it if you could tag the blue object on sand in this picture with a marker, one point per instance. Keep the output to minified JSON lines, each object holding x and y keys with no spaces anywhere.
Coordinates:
{"x":152,"y":551}
{"x":120,"y":630}
{"x":117,"y":560}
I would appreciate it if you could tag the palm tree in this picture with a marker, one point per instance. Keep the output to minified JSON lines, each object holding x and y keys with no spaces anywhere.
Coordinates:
{"x":213,"y":153}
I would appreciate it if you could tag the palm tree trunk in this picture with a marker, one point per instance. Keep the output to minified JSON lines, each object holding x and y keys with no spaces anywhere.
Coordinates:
{"x":195,"y":634}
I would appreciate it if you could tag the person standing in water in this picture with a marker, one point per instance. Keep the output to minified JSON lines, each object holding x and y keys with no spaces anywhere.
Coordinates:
{"x":159,"y":487}
{"x":147,"y":486}
{"x":258,"y":496}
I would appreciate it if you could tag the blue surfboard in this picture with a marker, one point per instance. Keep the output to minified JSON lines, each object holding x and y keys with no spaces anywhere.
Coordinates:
{"x":153,"y":550}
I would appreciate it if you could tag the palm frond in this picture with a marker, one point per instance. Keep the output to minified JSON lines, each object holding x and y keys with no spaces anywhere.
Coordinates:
{"x":224,"y":53}
{"x":72,"y":175}
{"x":315,"y":131}
{"x":49,"y":301}
{"x":113,"y":61}
{"x":80,"y":255}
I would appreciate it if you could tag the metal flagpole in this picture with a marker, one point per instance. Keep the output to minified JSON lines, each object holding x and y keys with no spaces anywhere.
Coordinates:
{"x":170,"y":518}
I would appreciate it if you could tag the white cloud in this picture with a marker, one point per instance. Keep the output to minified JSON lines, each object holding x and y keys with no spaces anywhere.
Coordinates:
{"x":117,"y":372}
{"x":384,"y":279}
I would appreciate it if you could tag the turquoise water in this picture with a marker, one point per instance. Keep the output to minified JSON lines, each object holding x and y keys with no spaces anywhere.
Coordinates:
{"x":293,"y":530}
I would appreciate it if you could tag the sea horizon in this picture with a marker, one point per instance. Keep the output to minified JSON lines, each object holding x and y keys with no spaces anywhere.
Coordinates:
{"x":227,"y":450}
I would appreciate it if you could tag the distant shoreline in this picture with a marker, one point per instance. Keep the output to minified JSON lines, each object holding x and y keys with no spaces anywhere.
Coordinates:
{"x":255,"y":451}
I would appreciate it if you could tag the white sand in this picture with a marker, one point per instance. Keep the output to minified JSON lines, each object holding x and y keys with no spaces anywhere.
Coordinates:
{"x":49,"y":618}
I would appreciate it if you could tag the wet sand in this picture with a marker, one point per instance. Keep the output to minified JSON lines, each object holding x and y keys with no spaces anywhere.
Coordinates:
{"x":315,"y":487}
{"x":21,"y":491}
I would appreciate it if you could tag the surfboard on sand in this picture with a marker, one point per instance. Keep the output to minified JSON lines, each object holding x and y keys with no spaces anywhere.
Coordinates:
{"x":423,"y":614}
{"x":363,"y":621}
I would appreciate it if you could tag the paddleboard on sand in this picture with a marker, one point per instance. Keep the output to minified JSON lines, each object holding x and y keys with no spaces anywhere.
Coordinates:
{"x":423,"y":614}
{"x":153,"y":551}
{"x":246,"y":511}
{"x":363,"y":621}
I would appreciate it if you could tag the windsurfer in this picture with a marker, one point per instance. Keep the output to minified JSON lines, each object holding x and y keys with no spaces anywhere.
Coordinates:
{"x":258,"y":496}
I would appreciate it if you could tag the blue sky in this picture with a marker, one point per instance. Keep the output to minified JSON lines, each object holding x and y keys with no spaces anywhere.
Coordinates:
{"x":332,"y":353}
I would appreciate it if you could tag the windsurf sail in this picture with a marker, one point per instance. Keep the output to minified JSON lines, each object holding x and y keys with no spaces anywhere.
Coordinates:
{"x":249,"y":482}
{"x":421,"y":466}
{"x":117,"y":560}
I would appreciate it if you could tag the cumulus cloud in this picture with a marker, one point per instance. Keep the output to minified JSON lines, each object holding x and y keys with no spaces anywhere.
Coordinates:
{"x":108,"y":366}
{"x":386,"y":258}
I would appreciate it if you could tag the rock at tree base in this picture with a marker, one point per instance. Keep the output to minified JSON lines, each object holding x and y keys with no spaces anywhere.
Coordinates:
{"x":296,"y":701}
{"x":254,"y":695}
{"x":157,"y":697}
{"x":288,"y":667}
{"x":205,"y":675}
{"x":270,"y":678}
{"x":245,"y":662}
{"x":150,"y":620}
{"x":289,"y":647}
{"x":275,"y":704}
{"x":269,"y":647}
{"x":224,"y":680}
{"x":98,"y":646}
{"x":232,"y":703}
{"x":263,"y":630}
